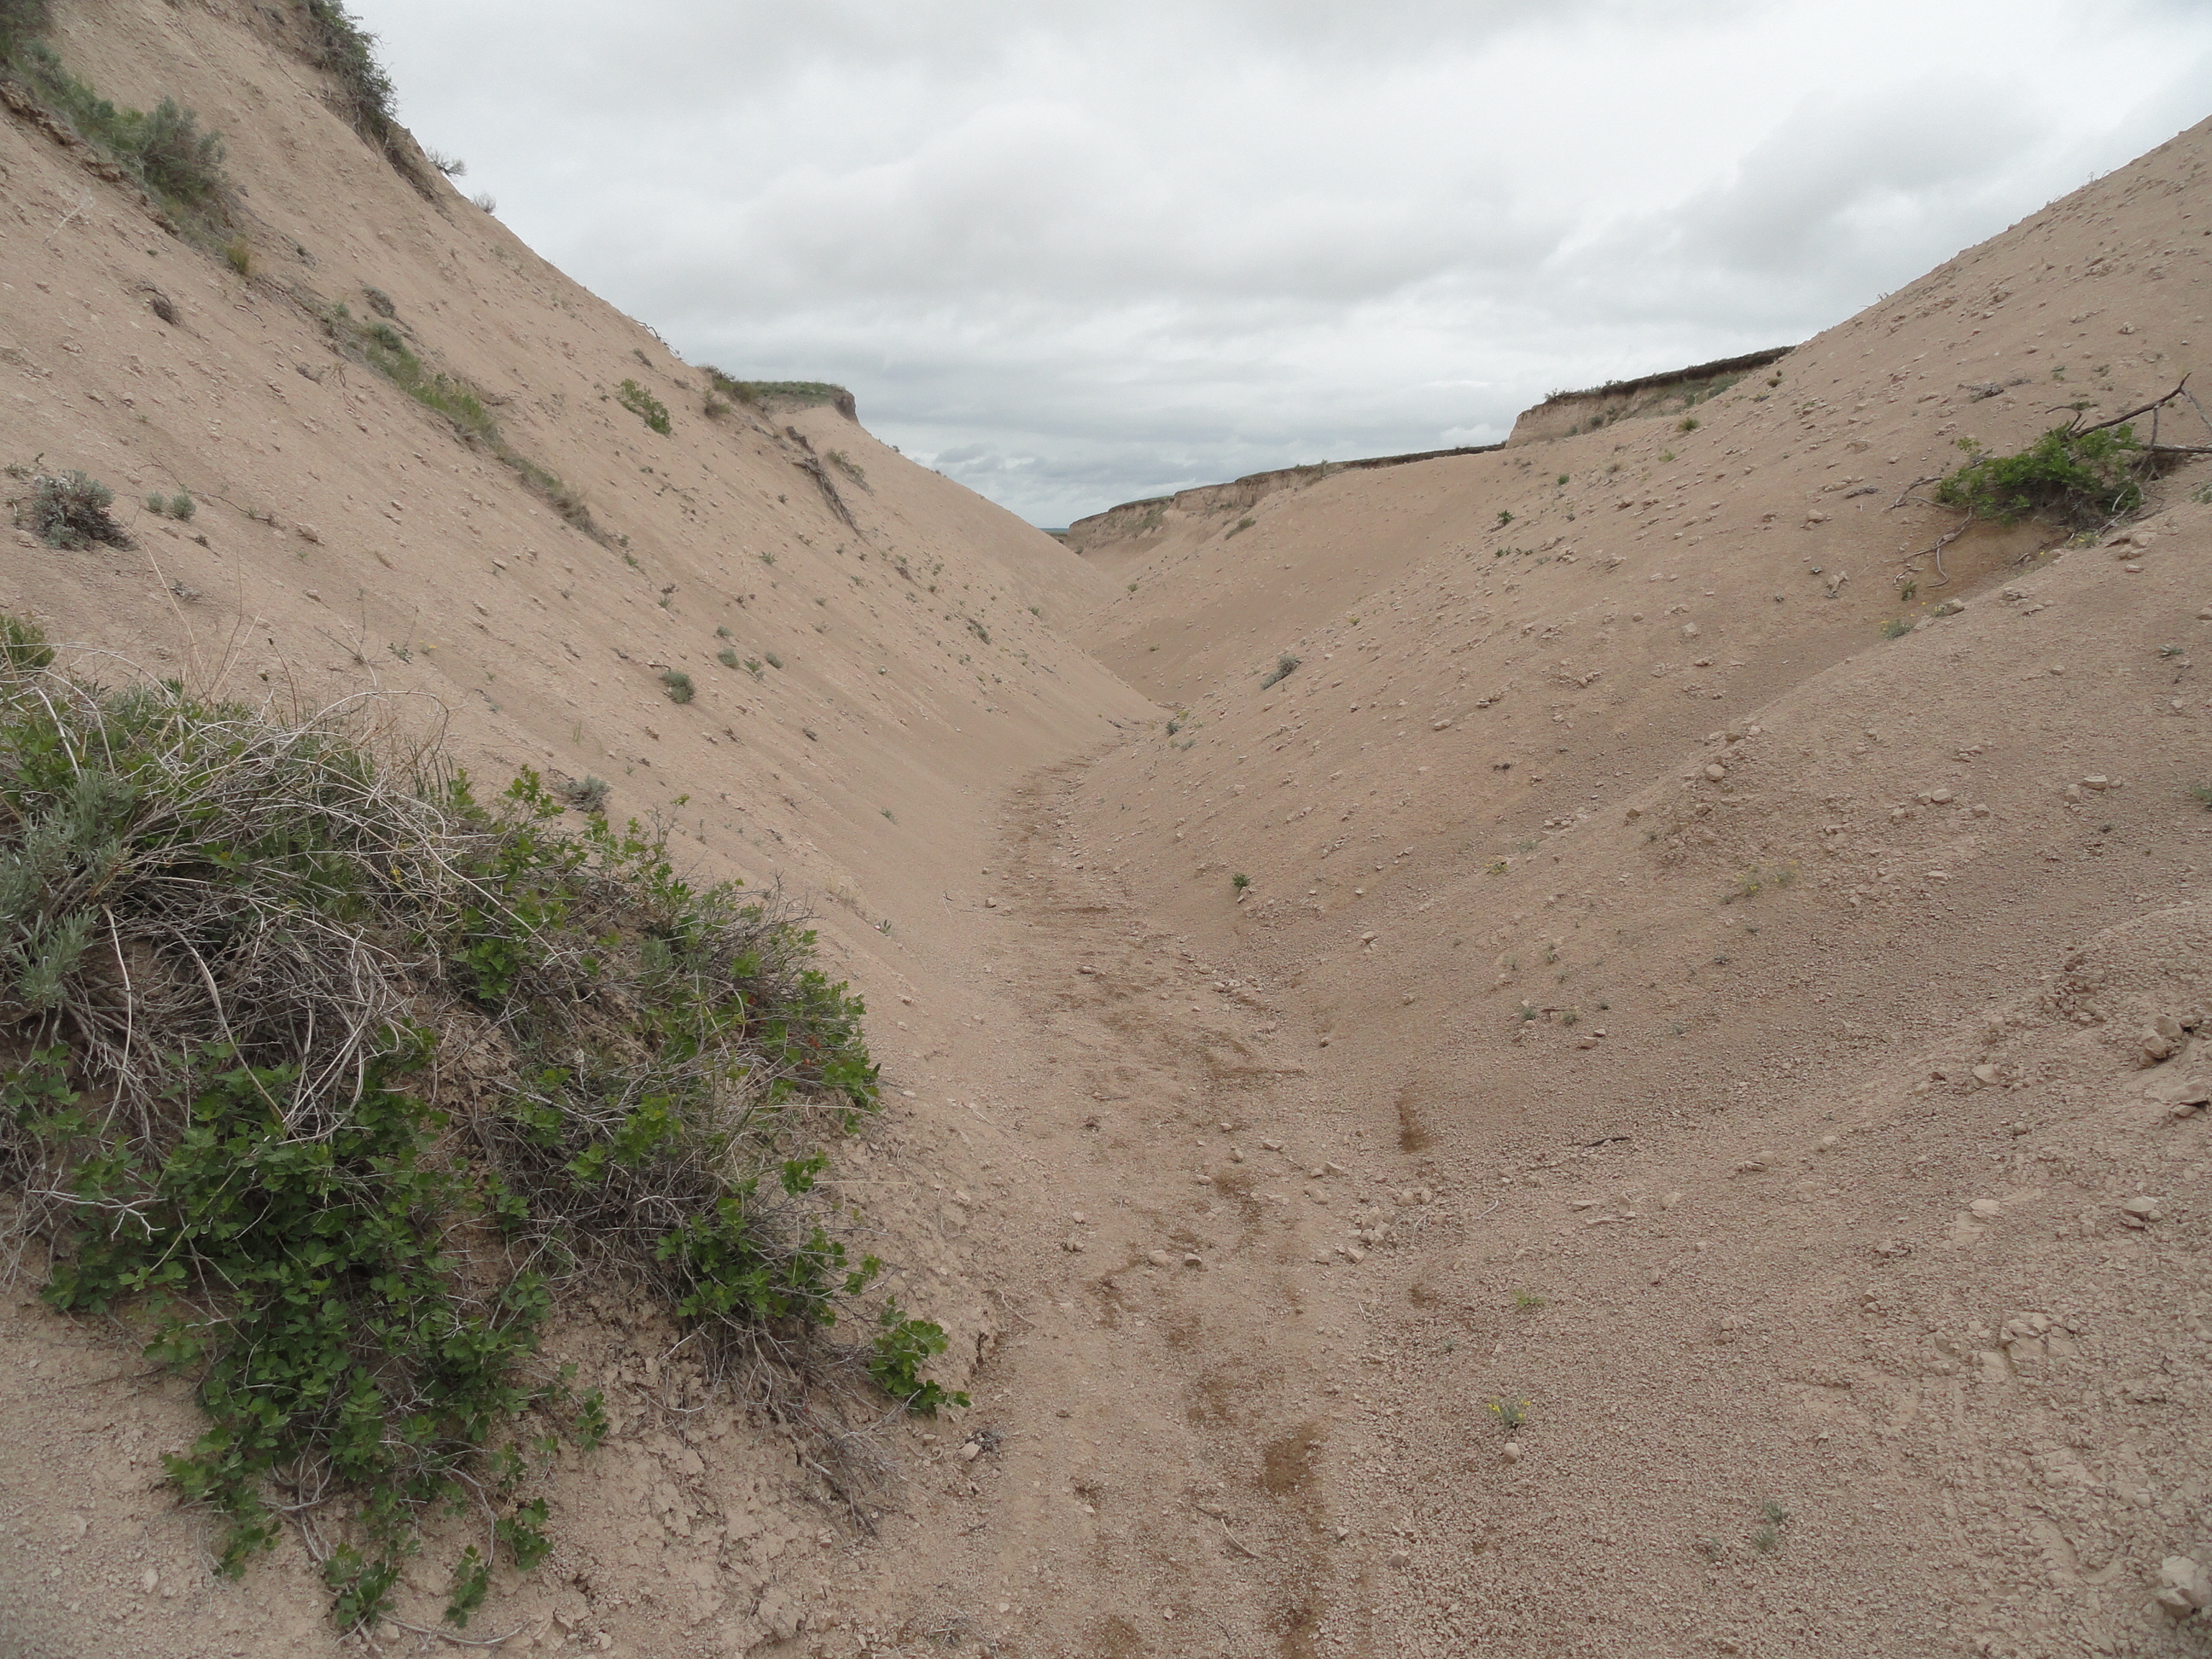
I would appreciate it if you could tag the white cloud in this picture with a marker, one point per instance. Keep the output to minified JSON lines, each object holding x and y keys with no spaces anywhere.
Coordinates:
{"x":1079,"y":254}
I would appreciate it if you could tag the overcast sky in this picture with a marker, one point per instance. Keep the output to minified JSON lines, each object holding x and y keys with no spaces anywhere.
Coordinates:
{"x":1077,"y":252}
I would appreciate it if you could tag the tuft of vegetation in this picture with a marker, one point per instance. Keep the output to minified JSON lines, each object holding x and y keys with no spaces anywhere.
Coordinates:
{"x":773,"y":661}
{"x":326,"y":1078}
{"x":850,"y":468}
{"x":679,"y":685}
{"x":383,"y":348}
{"x":1687,"y":424}
{"x":756,"y":394}
{"x":22,"y":21}
{"x":70,"y":509}
{"x":2084,"y":480}
{"x":1240,"y":881}
{"x":2201,"y":794}
{"x":1285,"y":667}
{"x":1511,"y":1414}
{"x":587,"y":794}
{"x":361,"y":93}
{"x":728,"y":658}
{"x":180,"y":167}
{"x":179,"y":507}
{"x":1896,"y":628}
{"x":643,"y":405}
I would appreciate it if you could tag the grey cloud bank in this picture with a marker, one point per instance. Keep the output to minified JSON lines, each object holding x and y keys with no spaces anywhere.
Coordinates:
{"x":1076,"y":254}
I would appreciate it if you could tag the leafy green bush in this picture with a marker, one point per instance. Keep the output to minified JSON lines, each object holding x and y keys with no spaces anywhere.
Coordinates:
{"x":68,"y":509}
{"x":679,"y":685}
{"x":231,"y":948}
{"x":2082,"y":479}
{"x":643,"y":405}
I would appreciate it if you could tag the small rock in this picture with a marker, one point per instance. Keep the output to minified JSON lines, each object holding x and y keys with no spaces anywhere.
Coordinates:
{"x":1979,"y":811}
{"x":2183,"y":1586}
{"x":1510,"y":1451}
{"x":2096,"y":780}
{"x":1985,"y":1209}
{"x":1399,"y":1559}
{"x":2157,"y":1046}
{"x":1716,"y":772}
{"x":1690,"y":630}
{"x":1160,"y":1259}
{"x":972,"y":1451}
{"x":1985,"y":1075}
{"x":1939,"y":797}
{"x":2143,"y":1209}
{"x":1193,"y":1261}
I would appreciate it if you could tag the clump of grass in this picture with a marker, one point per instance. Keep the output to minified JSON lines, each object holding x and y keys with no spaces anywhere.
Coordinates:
{"x":1240,"y":526}
{"x":2082,"y":479}
{"x":385,"y":350}
{"x":757,"y":393}
{"x":1240,"y":881}
{"x":1511,"y":1414}
{"x":850,"y":468}
{"x":1687,"y":424}
{"x":70,"y":510}
{"x":1896,"y":628}
{"x":1527,"y":1301}
{"x":587,"y":794}
{"x":231,"y":948}
{"x":727,"y":657}
{"x":679,"y":685}
{"x":2201,"y":793}
{"x":179,"y":507}
{"x":643,"y":405}
{"x":1285,"y":667}
{"x":773,"y":661}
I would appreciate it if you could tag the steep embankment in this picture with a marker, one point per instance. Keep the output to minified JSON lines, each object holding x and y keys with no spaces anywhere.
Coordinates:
{"x":873,"y":648}
{"x":1711,"y":951}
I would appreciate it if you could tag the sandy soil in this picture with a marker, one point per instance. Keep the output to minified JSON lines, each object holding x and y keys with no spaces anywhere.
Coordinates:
{"x":1664,"y":1009}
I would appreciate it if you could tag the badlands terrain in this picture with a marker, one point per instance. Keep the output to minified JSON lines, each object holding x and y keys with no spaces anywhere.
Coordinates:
{"x":1591,"y":1048}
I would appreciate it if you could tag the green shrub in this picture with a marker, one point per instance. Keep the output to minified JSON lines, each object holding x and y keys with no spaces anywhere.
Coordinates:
{"x":1285,"y":667}
{"x":68,"y":509}
{"x":180,"y":166}
{"x":679,"y":685}
{"x":726,"y":657}
{"x":231,"y":949}
{"x":643,"y":405}
{"x":2080,"y":479}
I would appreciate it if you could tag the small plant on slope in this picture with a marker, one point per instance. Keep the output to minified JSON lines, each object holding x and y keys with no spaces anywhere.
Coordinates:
{"x":2084,"y":480}
{"x":70,"y":509}
{"x":643,"y":405}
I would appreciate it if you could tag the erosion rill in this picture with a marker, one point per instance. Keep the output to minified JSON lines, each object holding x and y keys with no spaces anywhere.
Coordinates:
{"x":1597,"y":1046}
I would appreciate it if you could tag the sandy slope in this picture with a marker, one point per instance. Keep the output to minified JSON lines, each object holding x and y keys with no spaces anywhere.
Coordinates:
{"x":1767,"y":1133}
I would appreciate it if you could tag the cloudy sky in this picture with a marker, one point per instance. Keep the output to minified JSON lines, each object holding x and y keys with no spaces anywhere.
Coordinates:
{"x":1077,"y":252}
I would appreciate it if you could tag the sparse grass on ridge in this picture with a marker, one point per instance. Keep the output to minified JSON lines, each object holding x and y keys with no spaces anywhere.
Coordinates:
{"x":325,"y":1078}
